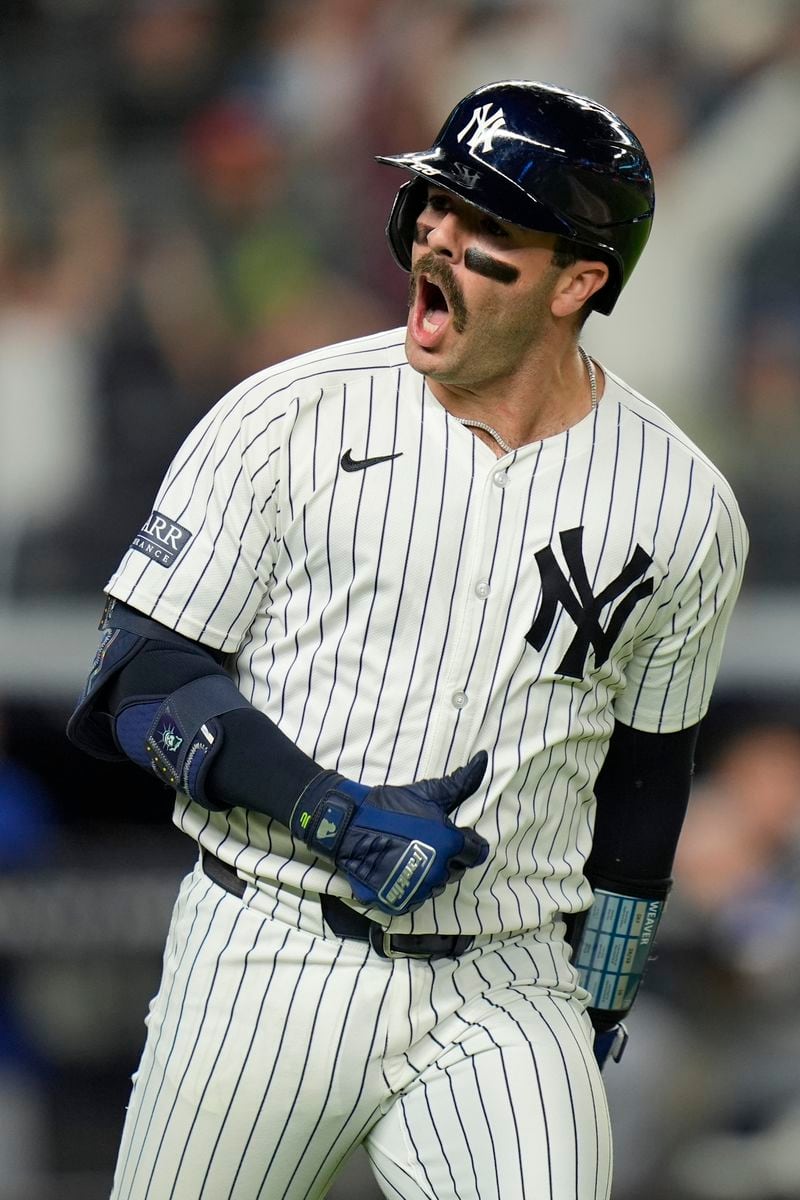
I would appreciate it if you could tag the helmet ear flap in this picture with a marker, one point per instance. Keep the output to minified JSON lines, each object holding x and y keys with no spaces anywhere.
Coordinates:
{"x":408,"y":204}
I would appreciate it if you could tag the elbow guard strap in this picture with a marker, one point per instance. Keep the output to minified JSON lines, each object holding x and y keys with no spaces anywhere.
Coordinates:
{"x":611,"y":944}
{"x":176,"y":736}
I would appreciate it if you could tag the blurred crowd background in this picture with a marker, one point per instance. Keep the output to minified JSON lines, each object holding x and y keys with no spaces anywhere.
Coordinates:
{"x":187,"y":194}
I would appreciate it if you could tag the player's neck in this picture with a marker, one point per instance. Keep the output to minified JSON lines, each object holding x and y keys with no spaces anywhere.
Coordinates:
{"x":529,"y":407}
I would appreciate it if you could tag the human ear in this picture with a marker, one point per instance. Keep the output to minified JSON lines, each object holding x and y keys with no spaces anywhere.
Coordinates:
{"x":576,"y":285}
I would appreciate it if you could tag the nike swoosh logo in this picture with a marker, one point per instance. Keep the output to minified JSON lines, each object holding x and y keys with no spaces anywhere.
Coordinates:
{"x":360,"y":464}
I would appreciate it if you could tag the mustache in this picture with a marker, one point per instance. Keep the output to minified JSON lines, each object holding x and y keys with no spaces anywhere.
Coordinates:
{"x":441,"y":274}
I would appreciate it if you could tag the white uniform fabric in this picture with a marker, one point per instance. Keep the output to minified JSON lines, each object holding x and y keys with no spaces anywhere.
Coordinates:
{"x":274,"y":1048}
{"x":396,"y":598}
{"x":379,"y":616}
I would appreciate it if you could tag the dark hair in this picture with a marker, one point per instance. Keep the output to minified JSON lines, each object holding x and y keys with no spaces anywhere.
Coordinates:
{"x":565,"y":253}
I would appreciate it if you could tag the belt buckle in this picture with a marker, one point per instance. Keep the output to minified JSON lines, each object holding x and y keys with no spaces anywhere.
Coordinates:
{"x":385,"y":950}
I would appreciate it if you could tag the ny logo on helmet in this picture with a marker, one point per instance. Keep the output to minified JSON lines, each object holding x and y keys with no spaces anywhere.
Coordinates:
{"x":486,"y":127}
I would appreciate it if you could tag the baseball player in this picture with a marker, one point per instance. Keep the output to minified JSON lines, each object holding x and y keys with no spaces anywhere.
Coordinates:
{"x":420,"y":631}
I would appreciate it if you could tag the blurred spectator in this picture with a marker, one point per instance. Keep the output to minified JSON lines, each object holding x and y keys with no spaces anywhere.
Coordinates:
{"x":720,"y":1034}
{"x":220,"y":278}
{"x":674,"y":332}
{"x":46,"y":434}
{"x":766,"y":424}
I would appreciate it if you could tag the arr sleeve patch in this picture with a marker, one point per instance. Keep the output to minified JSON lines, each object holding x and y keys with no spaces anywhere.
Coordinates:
{"x":161,"y":539}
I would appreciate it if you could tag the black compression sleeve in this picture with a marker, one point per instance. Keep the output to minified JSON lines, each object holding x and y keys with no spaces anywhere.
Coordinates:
{"x":642,"y":793}
{"x":258,"y":767}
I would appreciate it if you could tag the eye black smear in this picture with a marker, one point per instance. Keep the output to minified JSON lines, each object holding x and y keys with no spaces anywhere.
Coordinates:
{"x":492,"y":268}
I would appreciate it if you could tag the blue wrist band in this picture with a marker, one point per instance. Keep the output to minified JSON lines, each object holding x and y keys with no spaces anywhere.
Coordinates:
{"x":613,"y":947}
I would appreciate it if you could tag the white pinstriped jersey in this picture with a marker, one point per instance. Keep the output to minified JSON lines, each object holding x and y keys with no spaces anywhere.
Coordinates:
{"x":396,"y":618}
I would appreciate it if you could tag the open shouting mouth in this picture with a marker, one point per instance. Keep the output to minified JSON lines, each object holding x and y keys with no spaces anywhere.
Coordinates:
{"x":436,"y":302}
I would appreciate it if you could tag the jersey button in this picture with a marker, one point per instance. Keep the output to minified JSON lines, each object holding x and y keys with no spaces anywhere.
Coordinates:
{"x":482,"y":589}
{"x":501,"y":478}
{"x":459,"y":699}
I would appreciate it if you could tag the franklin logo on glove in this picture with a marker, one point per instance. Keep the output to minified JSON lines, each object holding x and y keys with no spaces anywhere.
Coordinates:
{"x":395,"y":844}
{"x":408,"y":876}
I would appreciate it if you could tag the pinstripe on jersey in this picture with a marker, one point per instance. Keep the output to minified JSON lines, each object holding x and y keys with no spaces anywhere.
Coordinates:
{"x":274,"y":1048}
{"x":394,"y":619}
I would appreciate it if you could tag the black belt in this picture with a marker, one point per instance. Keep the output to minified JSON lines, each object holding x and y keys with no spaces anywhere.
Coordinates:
{"x":345,"y":922}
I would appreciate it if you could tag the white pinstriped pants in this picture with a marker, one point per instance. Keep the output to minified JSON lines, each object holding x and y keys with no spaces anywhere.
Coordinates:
{"x":274,"y":1048}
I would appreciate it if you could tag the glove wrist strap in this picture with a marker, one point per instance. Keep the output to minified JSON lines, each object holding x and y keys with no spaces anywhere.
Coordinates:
{"x":611,"y":948}
{"x":324,"y":810}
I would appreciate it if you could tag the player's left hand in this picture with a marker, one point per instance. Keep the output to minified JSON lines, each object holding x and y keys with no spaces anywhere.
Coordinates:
{"x":610,"y":1043}
{"x":395,"y":843}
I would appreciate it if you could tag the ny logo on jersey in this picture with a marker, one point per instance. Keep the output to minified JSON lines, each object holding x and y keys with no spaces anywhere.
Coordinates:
{"x":487,"y":125}
{"x":575,"y":595}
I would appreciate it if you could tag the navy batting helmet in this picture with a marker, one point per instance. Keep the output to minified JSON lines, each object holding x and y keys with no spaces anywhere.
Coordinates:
{"x":545,"y":159}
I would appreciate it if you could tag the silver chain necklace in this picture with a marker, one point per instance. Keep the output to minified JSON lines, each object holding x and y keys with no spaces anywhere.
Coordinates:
{"x":502,"y":443}
{"x":590,"y":371}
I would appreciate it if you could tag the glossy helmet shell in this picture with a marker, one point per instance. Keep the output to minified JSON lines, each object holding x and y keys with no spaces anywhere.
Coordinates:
{"x":542,"y":158}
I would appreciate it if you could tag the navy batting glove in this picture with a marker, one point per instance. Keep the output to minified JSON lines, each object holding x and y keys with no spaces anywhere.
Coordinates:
{"x":396,"y":845}
{"x":610,"y":1043}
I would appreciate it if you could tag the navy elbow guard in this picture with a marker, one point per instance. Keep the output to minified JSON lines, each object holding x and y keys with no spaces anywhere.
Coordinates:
{"x":612,"y":942}
{"x":173,"y":735}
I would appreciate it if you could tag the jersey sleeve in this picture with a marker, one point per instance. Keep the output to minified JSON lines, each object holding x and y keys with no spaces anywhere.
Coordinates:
{"x":671,"y":675}
{"x":201,"y":561}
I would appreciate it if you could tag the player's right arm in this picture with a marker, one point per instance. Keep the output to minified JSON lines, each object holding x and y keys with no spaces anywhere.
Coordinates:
{"x":167,"y":703}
